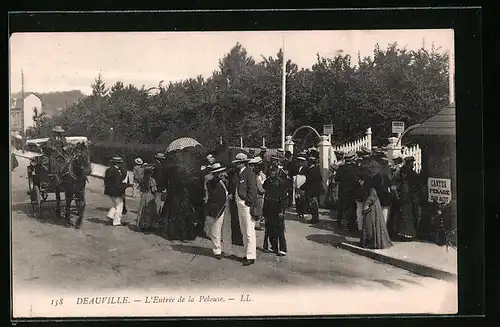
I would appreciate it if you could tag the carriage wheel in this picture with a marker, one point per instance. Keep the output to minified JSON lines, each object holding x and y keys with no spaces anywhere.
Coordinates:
{"x":36,"y":202}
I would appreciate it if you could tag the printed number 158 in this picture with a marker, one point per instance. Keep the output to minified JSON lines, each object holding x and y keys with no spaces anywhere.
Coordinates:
{"x":56,"y":302}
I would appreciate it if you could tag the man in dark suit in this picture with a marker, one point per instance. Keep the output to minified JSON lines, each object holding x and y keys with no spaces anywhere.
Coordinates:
{"x":245,"y":193}
{"x":113,"y":188}
{"x":217,"y":207}
{"x":313,"y":188}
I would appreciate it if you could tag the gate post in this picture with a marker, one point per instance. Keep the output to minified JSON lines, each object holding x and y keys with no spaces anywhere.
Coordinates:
{"x":289,"y":144}
{"x":369,"y":136}
{"x":393,"y":149}
{"x":324,"y":161}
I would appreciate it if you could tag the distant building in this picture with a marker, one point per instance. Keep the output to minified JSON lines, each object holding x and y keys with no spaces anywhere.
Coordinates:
{"x":31,"y":101}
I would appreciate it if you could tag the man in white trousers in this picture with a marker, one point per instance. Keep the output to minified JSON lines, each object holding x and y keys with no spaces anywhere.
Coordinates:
{"x":113,"y":187}
{"x":244,"y":185}
{"x":217,"y":208}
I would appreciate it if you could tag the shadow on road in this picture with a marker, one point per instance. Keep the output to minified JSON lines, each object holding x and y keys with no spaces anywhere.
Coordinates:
{"x":48,"y":215}
{"x":331,"y":239}
{"x":191,"y":249}
{"x":104,"y":222}
{"x":24,"y":207}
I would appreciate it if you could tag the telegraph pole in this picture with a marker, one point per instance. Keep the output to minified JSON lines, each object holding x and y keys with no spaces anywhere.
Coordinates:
{"x":23,"y":132}
{"x":283,"y":98}
{"x":451,"y":73}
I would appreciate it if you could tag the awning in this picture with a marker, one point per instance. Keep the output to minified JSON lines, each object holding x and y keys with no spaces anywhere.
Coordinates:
{"x":441,"y":124}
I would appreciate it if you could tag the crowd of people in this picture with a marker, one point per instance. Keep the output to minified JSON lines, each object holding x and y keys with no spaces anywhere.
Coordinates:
{"x":376,"y":197}
{"x":259,"y":187}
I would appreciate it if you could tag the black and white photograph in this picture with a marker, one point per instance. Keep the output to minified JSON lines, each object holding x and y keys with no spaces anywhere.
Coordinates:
{"x":233,"y":173}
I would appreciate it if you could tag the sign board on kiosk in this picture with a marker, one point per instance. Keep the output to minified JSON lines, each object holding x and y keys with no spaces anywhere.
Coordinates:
{"x":327,"y":129}
{"x":439,"y":190}
{"x":398,"y":127}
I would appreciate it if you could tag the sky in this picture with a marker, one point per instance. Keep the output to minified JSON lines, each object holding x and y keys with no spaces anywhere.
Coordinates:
{"x":71,"y":61}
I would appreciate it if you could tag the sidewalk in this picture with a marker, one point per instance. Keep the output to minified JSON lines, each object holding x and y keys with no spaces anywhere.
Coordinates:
{"x":422,"y":258}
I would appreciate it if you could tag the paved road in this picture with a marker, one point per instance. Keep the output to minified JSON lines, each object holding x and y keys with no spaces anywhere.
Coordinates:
{"x":47,"y":254}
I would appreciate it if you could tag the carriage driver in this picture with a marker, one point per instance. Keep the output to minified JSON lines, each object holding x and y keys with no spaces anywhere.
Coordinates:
{"x":56,"y":143}
{"x":57,"y":139}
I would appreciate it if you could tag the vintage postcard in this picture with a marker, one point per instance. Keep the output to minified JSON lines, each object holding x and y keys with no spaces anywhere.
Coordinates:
{"x":256,"y":173}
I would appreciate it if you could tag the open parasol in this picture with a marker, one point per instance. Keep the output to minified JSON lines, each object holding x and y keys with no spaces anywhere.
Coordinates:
{"x":182,"y":143}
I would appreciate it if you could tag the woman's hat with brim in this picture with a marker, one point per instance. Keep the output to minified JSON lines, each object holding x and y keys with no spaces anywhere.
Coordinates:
{"x":255,"y":161}
{"x":139,"y":161}
{"x":240,"y":157}
{"x":301,"y":158}
{"x":217,"y":168}
{"x":160,"y":155}
{"x":58,"y":129}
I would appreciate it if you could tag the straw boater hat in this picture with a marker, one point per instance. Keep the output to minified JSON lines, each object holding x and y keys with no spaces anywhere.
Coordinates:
{"x":160,"y":155}
{"x":350,"y":156}
{"x":263,"y":148}
{"x":379,"y":153}
{"x":255,"y":160}
{"x":117,"y":159}
{"x":281,"y":150}
{"x":58,"y":129}
{"x":139,"y":161}
{"x":217,"y":168}
{"x":240,"y":157}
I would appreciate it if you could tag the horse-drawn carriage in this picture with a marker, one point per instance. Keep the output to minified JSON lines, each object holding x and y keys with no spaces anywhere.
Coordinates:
{"x":58,"y":171}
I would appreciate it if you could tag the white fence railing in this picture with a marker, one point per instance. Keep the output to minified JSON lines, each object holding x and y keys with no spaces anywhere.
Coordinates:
{"x":354,"y":145}
{"x":416,"y":152}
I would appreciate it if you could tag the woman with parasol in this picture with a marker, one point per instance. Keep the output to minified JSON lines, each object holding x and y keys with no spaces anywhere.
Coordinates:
{"x":182,"y":212}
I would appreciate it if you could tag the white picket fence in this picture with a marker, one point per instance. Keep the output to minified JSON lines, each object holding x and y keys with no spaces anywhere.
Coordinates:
{"x":354,"y":145}
{"x":416,"y":152}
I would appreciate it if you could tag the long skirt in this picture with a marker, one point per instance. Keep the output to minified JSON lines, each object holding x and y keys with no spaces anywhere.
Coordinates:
{"x":179,"y":217}
{"x":147,"y":211}
{"x":374,"y":234}
{"x":406,"y":220}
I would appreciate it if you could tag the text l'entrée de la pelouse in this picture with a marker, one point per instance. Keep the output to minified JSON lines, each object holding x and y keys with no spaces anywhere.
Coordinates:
{"x":155,"y":299}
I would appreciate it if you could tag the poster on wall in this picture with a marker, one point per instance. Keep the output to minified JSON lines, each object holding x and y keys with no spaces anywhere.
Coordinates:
{"x":439,"y":189}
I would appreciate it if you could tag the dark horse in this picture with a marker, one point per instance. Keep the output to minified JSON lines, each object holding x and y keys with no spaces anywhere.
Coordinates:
{"x":71,"y":178}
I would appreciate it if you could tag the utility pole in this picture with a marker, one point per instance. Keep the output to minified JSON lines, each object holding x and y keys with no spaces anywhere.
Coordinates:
{"x":451,"y":72}
{"x":22,"y":110}
{"x":283,"y":97}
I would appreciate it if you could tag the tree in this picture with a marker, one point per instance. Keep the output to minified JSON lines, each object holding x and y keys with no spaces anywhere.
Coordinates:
{"x":243,"y":98}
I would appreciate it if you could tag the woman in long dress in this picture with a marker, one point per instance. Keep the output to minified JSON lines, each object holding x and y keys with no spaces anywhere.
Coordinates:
{"x":146,"y":212}
{"x":183,"y":207}
{"x":406,"y":217}
{"x":374,"y":233}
